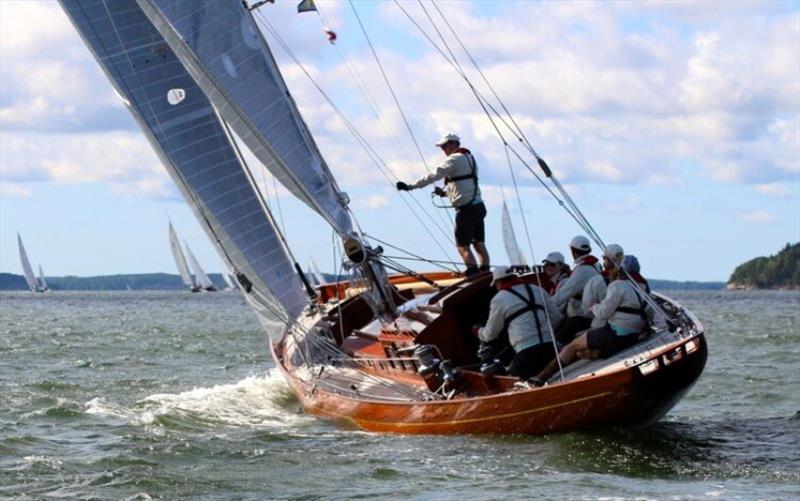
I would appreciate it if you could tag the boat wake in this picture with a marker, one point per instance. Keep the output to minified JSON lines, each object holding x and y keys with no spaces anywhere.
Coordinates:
{"x":254,"y":402}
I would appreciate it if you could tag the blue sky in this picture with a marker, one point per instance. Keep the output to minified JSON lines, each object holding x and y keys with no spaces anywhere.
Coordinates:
{"x":674,"y":125}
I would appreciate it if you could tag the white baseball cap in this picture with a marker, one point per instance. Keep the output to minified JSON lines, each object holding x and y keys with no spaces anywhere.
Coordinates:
{"x":500,"y":273}
{"x":554,"y":257}
{"x":614,"y":252}
{"x":447,"y":137}
{"x":581,"y":243}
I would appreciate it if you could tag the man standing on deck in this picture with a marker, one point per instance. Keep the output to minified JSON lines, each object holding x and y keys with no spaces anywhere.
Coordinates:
{"x":460,"y":174}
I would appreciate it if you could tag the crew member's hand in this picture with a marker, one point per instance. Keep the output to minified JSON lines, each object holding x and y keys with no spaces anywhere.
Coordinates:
{"x":401,"y":186}
{"x":475,"y":329}
{"x":439,"y":192}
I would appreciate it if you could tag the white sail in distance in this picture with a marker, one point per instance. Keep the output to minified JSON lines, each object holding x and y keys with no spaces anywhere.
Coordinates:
{"x":315,"y":271}
{"x":182,"y":127}
{"x":221,"y":46}
{"x":180,"y":259}
{"x":42,"y":281}
{"x":227,"y":278}
{"x":515,"y":256}
{"x":202,"y":279}
{"x":30,"y":278}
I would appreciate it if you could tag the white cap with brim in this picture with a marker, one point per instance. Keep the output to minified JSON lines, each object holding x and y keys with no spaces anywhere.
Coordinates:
{"x":554,"y":257}
{"x":500,"y":273}
{"x":614,"y":252}
{"x":446,"y":138}
{"x":581,"y":243}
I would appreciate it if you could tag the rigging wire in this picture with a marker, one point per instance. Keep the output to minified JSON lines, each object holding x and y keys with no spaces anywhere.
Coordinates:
{"x":374,"y":156}
{"x":571,"y":207}
{"x":393,"y":93}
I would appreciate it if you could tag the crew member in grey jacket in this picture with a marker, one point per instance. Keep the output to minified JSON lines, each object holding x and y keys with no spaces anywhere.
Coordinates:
{"x":460,"y":173}
{"x":569,"y":294}
{"x":527,"y":312}
{"x":624,"y":315}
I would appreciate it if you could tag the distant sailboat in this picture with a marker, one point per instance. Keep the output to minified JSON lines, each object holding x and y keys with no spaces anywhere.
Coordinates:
{"x":30,"y":278}
{"x":515,"y":256}
{"x":42,"y":281}
{"x":202,"y":279}
{"x":229,"y":282}
{"x":315,"y":272}
{"x":180,"y":260}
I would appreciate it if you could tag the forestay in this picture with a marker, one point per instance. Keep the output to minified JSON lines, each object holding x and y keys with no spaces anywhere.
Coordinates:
{"x":182,"y":127}
{"x":515,"y":256}
{"x":180,"y":260}
{"x":221,"y":46}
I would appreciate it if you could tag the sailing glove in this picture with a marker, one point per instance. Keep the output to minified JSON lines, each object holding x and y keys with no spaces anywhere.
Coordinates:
{"x":401,"y":186}
{"x":439,"y":192}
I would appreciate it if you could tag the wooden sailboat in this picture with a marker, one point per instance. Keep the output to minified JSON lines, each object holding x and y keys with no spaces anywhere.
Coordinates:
{"x":390,"y":353}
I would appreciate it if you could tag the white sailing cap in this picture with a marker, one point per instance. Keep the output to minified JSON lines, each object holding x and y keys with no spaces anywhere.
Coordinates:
{"x":614,"y":252}
{"x":500,"y":273}
{"x":581,"y":243}
{"x":447,"y":137}
{"x":554,"y":257}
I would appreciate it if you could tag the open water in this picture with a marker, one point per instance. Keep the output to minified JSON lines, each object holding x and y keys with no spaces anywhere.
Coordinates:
{"x":140,"y":395}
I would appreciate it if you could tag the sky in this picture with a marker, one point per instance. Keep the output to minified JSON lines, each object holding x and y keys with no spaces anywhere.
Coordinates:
{"x":675,"y":127}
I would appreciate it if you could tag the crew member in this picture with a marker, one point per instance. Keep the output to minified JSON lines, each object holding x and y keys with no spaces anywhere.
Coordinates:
{"x":555,"y":269}
{"x":523,"y":310}
{"x":460,"y":174}
{"x":625,"y":317}
{"x":569,"y":295}
{"x":595,"y":289}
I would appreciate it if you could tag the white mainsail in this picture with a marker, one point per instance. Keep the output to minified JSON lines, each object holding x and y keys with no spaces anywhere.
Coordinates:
{"x":180,"y":259}
{"x":30,"y":278}
{"x":182,"y":126}
{"x":515,"y":256}
{"x":202,"y":279}
{"x":220,"y":45}
{"x":42,"y":281}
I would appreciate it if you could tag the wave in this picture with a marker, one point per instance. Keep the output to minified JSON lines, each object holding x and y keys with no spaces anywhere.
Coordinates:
{"x":254,"y":402}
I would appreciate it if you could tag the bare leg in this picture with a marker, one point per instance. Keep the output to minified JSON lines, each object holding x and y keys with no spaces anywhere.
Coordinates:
{"x":466,"y":255}
{"x":567,"y":356}
{"x":483,"y":254}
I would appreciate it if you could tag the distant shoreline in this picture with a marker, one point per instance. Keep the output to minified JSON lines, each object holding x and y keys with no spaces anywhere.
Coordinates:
{"x":166,"y":281}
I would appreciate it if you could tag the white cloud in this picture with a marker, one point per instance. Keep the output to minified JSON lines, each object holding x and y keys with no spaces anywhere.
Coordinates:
{"x":371,"y":201}
{"x":757,"y":217}
{"x":14,"y":190}
{"x":780,"y":190}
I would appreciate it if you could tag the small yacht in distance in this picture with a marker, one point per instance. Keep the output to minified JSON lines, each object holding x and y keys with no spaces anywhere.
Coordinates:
{"x":34,"y":285}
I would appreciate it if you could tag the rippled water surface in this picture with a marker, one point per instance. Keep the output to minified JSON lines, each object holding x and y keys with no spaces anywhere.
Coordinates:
{"x":143,"y":395}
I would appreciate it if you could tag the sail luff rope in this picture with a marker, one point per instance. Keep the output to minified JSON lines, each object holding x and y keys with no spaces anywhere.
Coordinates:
{"x":359,"y":138}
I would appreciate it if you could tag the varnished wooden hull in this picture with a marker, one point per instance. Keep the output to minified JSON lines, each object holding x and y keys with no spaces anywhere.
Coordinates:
{"x":618,"y":398}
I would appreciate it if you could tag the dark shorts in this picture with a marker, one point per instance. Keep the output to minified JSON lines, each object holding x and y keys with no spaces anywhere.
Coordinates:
{"x":608,"y":341}
{"x":469,"y":224}
{"x":570,"y":327}
{"x":531,"y":361}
